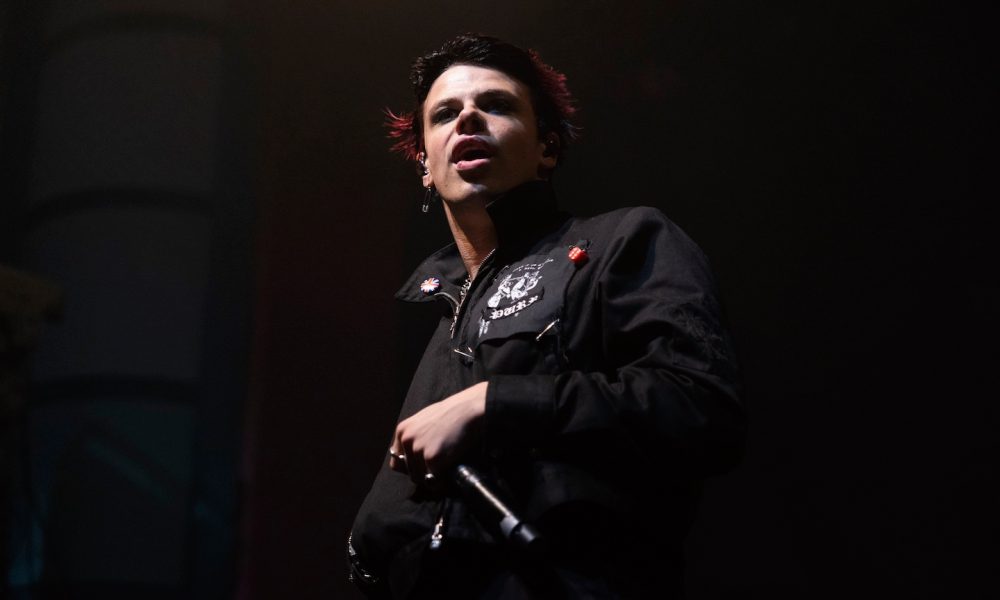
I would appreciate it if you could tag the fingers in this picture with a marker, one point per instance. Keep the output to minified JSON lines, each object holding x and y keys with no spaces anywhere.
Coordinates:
{"x":397,"y":452}
{"x":405,"y":456}
{"x":408,"y":456}
{"x":416,"y":461}
{"x":431,"y":440}
{"x":397,"y":460}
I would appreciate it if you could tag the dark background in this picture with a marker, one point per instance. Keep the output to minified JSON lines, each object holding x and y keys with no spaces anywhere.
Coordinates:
{"x":209,"y":184}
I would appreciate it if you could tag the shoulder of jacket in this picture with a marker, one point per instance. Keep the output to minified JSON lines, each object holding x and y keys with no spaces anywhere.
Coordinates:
{"x":634,"y":227}
{"x":623,"y":221}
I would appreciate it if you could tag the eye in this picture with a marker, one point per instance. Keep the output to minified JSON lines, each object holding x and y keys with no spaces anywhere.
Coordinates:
{"x":498,"y":106}
{"x":443,"y":114}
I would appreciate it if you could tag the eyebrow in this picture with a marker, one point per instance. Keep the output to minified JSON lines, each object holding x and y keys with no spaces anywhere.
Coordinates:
{"x":488,"y":94}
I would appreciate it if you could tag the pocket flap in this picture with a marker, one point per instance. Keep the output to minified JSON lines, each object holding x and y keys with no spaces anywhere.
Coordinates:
{"x":525,"y":297}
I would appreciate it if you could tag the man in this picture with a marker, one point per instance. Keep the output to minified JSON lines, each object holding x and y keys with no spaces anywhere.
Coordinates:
{"x":581,"y":366}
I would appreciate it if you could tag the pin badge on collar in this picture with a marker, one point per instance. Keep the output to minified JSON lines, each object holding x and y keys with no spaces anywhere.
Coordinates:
{"x":430,"y":285}
{"x":578,"y":255}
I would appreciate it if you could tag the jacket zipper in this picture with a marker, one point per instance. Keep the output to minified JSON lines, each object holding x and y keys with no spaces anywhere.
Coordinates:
{"x":467,"y":291}
{"x":438,"y":533}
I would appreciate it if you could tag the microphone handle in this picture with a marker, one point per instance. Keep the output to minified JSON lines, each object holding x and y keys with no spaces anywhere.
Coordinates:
{"x":513,"y":528}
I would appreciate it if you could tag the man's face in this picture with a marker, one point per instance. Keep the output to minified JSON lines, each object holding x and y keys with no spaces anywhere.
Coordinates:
{"x":480,"y":134}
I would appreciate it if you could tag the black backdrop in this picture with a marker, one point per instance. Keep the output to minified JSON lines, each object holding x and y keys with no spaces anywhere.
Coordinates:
{"x":825,"y":158}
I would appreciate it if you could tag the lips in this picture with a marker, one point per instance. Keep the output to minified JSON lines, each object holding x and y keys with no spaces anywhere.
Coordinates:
{"x":471,"y":152}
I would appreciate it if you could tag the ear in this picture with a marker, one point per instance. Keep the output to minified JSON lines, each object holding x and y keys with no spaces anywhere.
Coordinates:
{"x":550,"y":152}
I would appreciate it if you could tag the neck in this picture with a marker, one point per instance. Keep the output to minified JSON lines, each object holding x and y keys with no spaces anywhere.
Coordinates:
{"x":474,"y":233}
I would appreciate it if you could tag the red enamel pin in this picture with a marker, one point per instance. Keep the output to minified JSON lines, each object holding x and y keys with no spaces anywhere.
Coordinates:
{"x":578,"y":253}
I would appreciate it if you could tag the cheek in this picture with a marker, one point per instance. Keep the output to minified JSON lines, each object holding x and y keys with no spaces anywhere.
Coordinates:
{"x":429,"y":143}
{"x":527,"y":140}
{"x":434,"y":152}
{"x":431,"y":139}
{"x":531,"y":150}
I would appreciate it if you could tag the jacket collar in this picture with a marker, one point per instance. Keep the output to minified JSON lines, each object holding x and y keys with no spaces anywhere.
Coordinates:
{"x":521,"y":216}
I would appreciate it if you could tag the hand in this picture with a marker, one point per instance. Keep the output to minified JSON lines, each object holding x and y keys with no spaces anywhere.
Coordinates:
{"x":435,"y":438}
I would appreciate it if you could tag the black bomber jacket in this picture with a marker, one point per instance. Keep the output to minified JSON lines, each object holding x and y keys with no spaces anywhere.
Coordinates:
{"x":612,"y":382}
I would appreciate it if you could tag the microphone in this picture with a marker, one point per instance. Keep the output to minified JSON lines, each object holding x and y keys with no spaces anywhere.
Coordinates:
{"x":514,"y":529}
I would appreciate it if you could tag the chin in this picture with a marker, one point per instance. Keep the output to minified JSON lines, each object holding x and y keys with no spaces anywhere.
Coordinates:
{"x":472,"y":191}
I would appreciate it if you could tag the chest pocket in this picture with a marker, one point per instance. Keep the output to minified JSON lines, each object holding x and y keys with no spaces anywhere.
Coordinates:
{"x":524,"y":299}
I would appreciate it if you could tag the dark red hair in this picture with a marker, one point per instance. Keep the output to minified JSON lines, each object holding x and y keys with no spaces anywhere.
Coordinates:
{"x":553,"y":103}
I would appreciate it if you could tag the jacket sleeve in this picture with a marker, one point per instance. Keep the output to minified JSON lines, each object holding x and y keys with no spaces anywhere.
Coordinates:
{"x":663,"y":382}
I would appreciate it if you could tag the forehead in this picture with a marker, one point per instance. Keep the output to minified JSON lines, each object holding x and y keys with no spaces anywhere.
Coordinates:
{"x":461,"y":81}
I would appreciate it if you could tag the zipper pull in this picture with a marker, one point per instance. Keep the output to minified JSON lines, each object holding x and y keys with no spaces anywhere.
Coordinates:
{"x":437,"y":536}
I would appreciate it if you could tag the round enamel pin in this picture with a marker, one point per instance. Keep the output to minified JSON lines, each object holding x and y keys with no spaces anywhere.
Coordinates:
{"x":430,"y":285}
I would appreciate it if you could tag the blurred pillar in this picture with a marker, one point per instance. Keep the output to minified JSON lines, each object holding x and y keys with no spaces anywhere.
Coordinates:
{"x":25,"y":303}
{"x":134,"y":199}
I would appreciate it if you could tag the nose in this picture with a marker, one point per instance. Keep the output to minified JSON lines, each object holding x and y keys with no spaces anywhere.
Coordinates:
{"x":470,"y":120}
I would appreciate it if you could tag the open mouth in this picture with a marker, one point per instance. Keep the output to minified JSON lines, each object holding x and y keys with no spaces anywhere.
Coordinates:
{"x":471,"y":152}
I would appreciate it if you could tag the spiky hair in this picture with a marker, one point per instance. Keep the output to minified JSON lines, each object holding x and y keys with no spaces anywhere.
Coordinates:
{"x":552,"y":101}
